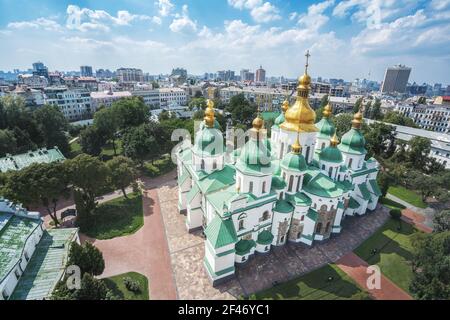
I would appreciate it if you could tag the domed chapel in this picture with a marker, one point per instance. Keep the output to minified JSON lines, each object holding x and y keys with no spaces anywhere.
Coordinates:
{"x":296,"y":186}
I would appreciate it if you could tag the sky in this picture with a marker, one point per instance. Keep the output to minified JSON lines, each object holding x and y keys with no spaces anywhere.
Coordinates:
{"x":347,"y":39}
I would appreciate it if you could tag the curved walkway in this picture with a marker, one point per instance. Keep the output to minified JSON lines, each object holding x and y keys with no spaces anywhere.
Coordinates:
{"x":145,"y":251}
{"x":356,"y":268}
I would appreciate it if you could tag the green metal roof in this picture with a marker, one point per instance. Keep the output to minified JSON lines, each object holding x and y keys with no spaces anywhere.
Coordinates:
{"x":283,"y":206}
{"x":312,"y":214}
{"x":220,"y":233}
{"x":279,"y":120}
{"x":331,"y":154}
{"x":255,"y":157}
{"x":353,"y":142}
{"x":364,"y":191}
{"x":376,"y":189}
{"x":209,"y":141}
{"x":322,"y":186}
{"x":20,"y":161}
{"x":244,"y":246}
{"x":265,"y":237}
{"x":13,"y":236}
{"x":326,"y":128}
{"x":364,"y":171}
{"x":345,"y":185}
{"x":292,"y":161}
{"x":217,"y":180}
{"x":47,"y":265}
{"x":192,"y":193}
{"x":353,"y":204}
{"x":269,"y":115}
{"x":278,"y":183}
{"x":299,"y":199}
{"x":183,"y":177}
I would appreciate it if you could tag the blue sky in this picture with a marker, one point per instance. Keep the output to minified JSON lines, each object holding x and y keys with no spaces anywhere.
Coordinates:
{"x":347,"y":38}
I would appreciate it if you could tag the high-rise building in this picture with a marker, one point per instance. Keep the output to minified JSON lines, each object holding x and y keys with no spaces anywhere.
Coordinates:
{"x":39,"y":69}
{"x":86,"y":71}
{"x":130,"y":75}
{"x":260,"y":75}
{"x":396,"y":79}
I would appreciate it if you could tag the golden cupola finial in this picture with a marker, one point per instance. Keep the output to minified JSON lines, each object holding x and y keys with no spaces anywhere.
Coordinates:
{"x":209,"y":114}
{"x":285,"y":105}
{"x":327,"y":112}
{"x":357,"y":120}
{"x":334,"y":140}
{"x":297,"y":147}
{"x":258,"y":122}
{"x":301,"y":117}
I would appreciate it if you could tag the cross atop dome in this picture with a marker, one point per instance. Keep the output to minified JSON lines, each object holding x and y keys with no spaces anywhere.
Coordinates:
{"x":307,"y":55}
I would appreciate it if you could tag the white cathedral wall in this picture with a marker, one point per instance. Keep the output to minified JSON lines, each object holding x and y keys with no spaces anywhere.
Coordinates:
{"x":297,"y":182}
{"x":211,"y":163}
{"x":357,"y":160}
{"x":307,"y":141}
{"x":244,"y":182}
{"x":322,"y":143}
{"x":219,"y":263}
{"x":252,"y":220}
{"x":318,"y":202}
{"x":278,"y":218}
{"x":325,"y":168}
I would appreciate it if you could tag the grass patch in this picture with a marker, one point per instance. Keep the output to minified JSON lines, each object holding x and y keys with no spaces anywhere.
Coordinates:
{"x":108,"y":150}
{"x":316,"y":286}
{"x":116,"y":218}
{"x":75,"y":149}
{"x":159,"y":167}
{"x":391,"y":204}
{"x":409,"y":196}
{"x":116,"y":285}
{"x":394,"y":251}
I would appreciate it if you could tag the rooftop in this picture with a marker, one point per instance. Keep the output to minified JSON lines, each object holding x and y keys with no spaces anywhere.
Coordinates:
{"x":20,"y":161}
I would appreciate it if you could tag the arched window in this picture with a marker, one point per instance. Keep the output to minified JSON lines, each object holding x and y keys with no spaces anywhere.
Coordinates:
{"x":214,"y":165}
{"x":327,"y":228}
{"x":264,"y":187}
{"x":291,"y":181}
{"x":299,"y":235}
{"x":282,"y":149}
{"x":202,"y":165}
{"x":323,"y":208}
{"x":281,"y":195}
{"x":302,"y":218}
{"x":308,"y":149}
{"x":323,"y":145}
{"x":330,"y":172}
{"x":323,"y":167}
{"x":319,"y":227}
{"x":350,"y":161}
{"x":332,"y":208}
{"x":298,"y":183}
{"x":265,"y":215}
{"x":250,"y":188}
{"x":241,"y":224}
{"x":239,"y":183}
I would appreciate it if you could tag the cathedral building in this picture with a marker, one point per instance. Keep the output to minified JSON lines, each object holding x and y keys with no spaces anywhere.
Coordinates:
{"x":296,"y":186}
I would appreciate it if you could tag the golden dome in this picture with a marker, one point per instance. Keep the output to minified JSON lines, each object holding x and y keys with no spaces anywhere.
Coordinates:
{"x":209,"y":114}
{"x":327,"y":111}
{"x":258,"y":123}
{"x":285,"y":106}
{"x":357,"y":120}
{"x":334,"y":140}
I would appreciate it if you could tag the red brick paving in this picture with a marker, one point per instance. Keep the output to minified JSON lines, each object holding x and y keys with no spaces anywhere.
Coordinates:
{"x":356,"y":268}
{"x":415,"y":219}
{"x":145,"y":252}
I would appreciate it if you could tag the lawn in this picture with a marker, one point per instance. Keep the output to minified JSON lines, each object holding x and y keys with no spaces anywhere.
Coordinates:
{"x":391,"y":204}
{"x":108,"y":150}
{"x":116,"y":218}
{"x":159,"y":167}
{"x":117,"y":286}
{"x":409,"y":196}
{"x":75,"y":149}
{"x":316,"y":286}
{"x":393,"y":251}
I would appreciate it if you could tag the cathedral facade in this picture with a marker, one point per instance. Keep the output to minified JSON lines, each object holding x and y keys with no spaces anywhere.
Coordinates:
{"x":296,"y":186}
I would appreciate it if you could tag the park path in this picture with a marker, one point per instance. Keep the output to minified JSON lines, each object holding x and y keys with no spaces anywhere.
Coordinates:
{"x":145,"y":251}
{"x":420,"y":218}
{"x":356,"y":268}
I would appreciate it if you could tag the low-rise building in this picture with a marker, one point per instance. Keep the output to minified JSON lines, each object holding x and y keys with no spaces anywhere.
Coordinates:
{"x":33,"y":81}
{"x":172,"y":96}
{"x":33,"y":98}
{"x":106,"y":98}
{"x":434,"y":117}
{"x":20,"y":161}
{"x":268,"y":99}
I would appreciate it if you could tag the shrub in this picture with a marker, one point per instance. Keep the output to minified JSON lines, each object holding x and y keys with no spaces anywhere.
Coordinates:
{"x":131,"y":284}
{"x":396,"y":214}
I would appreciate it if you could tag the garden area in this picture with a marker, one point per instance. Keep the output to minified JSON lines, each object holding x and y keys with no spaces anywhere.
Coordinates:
{"x":326,"y":283}
{"x":128,"y":286}
{"x":391,"y":249}
{"x":409,"y":196}
{"x":391,"y":204}
{"x":116,"y":218}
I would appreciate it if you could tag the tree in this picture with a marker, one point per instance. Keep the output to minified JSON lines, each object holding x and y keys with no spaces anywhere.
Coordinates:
{"x":105,"y":123}
{"x":375,"y":112}
{"x":319,"y":111}
{"x":343,"y":123}
{"x":88,"y":257}
{"x":123,"y":173}
{"x":45,"y":184}
{"x":8,"y":142}
{"x":422,"y":100}
{"x":385,"y":180}
{"x":419,"y":151}
{"x":198,"y":103}
{"x":130,"y":112}
{"x":357,"y":106}
{"x":431,"y":266}
{"x":395,"y":117}
{"x":89,"y":178}
{"x":139,"y":144}
{"x":380,"y":140}
{"x":441,"y":221}
{"x":241,"y":110}
{"x":52,"y":123}
{"x":91,"y":289}
{"x":396,"y":214}
{"x":92,"y":141}
{"x":367,"y":110}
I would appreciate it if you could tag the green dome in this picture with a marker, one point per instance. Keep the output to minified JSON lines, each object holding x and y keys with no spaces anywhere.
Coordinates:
{"x":278,"y":183}
{"x":353,"y":142}
{"x":280,"y":119}
{"x":326,"y":128}
{"x":331,"y":154}
{"x":256,"y":154}
{"x":216,"y":125}
{"x":294,"y":161}
{"x":205,"y":141}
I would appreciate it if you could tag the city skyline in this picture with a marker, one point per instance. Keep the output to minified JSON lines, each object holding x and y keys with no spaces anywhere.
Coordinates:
{"x":347,"y":39}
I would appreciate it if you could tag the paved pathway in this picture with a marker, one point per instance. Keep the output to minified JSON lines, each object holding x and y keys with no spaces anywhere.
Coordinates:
{"x":422,"y":219}
{"x":145,"y":252}
{"x":356,"y":268}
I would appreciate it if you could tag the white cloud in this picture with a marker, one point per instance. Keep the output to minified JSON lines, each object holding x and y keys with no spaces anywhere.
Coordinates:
{"x":165,"y":7}
{"x":314,"y":18}
{"x":440,"y":4}
{"x":182,"y":23}
{"x":261,"y":12}
{"x":85,"y":19}
{"x":40,"y":23}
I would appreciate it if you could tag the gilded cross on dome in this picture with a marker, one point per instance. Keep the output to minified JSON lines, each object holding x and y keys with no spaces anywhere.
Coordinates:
{"x":307,"y":55}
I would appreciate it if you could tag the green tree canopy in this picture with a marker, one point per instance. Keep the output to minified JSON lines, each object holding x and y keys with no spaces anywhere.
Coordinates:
{"x":123,"y":173}
{"x":92,"y":141}
{"x":140,"y":144}
{"x":88,"y":257}
{"x":241,"y":110}
{"x":130,"y":112}
{"x":395,"y":117}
